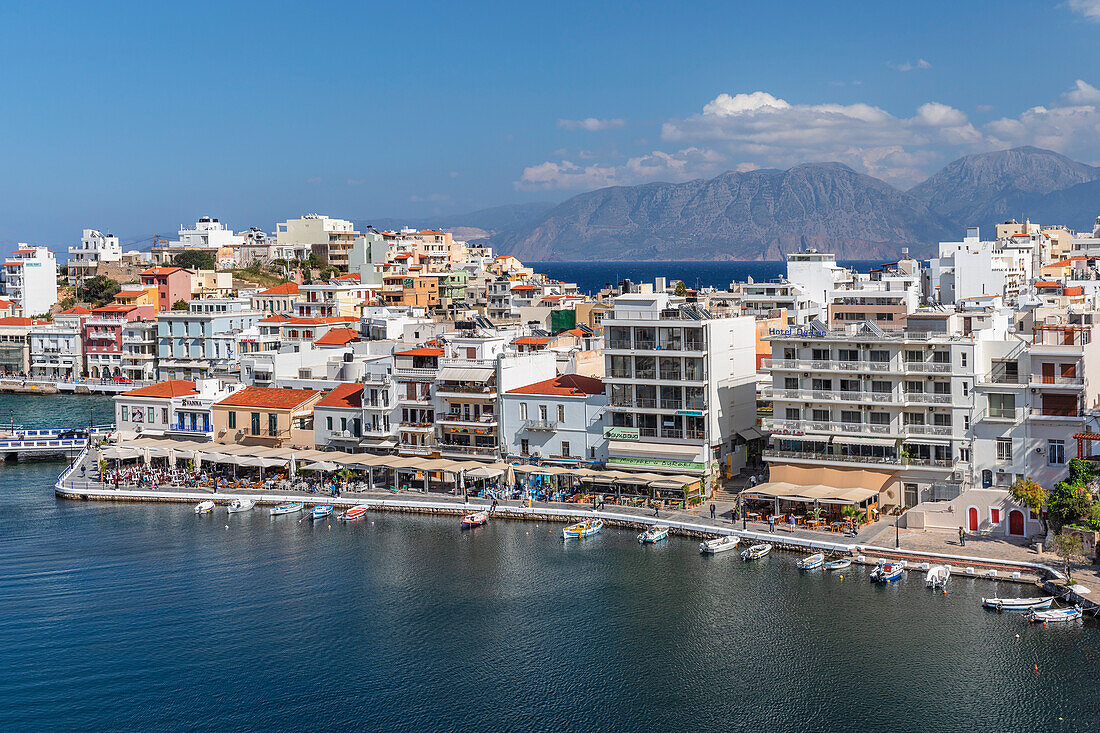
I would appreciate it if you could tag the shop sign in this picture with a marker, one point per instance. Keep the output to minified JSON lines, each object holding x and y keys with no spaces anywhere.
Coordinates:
{"x":621,"y":433}
{"x":659,"y":462}
{"x":692,"y":413}
{"x":803,"y":331}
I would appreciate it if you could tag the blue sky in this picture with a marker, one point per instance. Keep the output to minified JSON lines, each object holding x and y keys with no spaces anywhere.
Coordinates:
{"x":138,"y":117}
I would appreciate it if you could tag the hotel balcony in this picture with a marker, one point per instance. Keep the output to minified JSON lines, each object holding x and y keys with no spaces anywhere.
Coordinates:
{"x":415,"y":374}
{"x":645,"y":403}
{"x":417,"y":427}
{"x":471,"y":451}
{"x":815,"y":457}
{"x":1048,"y":415}
{"x":541,"y":425}
{"x":1061,"y":383}
{"x":816,"y":395}
{"x":417,"y":399}
{"x":465,"y":420}
{"x":466,"y":391}
{"x":1005,"y":416}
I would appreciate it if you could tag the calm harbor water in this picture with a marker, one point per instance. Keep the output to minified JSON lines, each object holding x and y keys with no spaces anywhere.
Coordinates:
{"x":144,"y":616}
{"x":592,"y":276}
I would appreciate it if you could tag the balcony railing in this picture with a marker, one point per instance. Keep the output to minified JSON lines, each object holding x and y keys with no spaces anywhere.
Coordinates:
{"x":541,"y":425}
{"x":928,"y":430}
{"x":1037,"y":381}
{"x":1046,"y":413}
{"x":468,"y":450}
{"x":832,"y":457}
{"x":1008,"y":415}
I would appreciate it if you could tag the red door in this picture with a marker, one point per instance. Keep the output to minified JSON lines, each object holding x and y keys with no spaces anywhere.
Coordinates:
{"x":1016,"y":523}
{"x":972,"y":516}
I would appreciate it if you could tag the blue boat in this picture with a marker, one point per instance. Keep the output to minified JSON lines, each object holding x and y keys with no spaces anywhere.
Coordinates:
{"x":1057,"y":615}
{"x":587,"y":528}
{"x":887,"y":572}
{"x":320,"y":511}
{"x":290,"y":508}
{"x":839,"y":564}
{"x":812,"y":562}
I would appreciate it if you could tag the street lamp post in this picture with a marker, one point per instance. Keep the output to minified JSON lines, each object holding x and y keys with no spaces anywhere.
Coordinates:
{"x":897,"y":535}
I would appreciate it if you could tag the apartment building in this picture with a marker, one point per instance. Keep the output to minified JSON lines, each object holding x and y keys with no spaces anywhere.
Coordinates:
{"x":275,"y":417}
{"x":764,"y":299}
{"x":103,"y":337}
{"x":974,"y":267}
{"x":172,"y":285}
{"x":410,"y":291}
{"x":95,"y":247}
{"x":681,"y":385}
{"x":57,"y":348}
{"x":330,"y":239}
{"x":278,"y":300}
{"x":414,"y":373}
{"x":15,"y":343}
{"x":29,"y":279}
{"x":139,"y":351}
{"x":201,"y":342}
{"x":327,"y":300}
{"x":207,"y":235}
{"x":557,"y":420}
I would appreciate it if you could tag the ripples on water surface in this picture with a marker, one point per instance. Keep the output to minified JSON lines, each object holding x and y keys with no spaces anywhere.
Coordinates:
{"x":139,"y":617}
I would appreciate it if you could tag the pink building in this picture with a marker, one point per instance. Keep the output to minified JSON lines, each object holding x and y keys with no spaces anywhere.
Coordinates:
{"x":172,"y":284}
{"x":102,"y":337}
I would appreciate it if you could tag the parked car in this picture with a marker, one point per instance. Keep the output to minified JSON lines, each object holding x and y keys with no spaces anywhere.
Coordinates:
{"x":123,"y":380}
{"x":74,"y":433}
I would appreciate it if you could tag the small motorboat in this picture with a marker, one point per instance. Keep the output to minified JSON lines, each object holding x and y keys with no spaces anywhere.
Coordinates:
{"x":1058,"y":615}
{"x":937,"y":576}
{"x":582,"y":529}
{"x":354,"y":513}
{"x":838,"y":564}
{"x":653,"y":534}
{"x":241,"y":505}
{"x":204,"y":507}
{"x":812,"y":562}
{"x":474,"y":519}
{"x":320,"y":511}
{"x":756,"y":552}
{"x":1018,"y":604}
{"x":887,"y":572}
{"x":719,"y":544}
{"x":288,"y":508}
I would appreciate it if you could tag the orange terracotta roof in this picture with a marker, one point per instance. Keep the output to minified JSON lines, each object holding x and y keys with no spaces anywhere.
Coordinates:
{"x":531,"y":341}
{"x":275,"y":398}
{"x":130,"y":293}
{"x":350,"y":276}
{"x":116,"y":308}
{"x":338,"y":337}
{"x":1047,"y":284}
{"x":566,"y":385}
{"x":402,"y":255}
{"x":284,"y":289}
{"x":576,"y":332}
{"x":430,"y":231}
{"x":76,"y":310}
{"x":161,"y":270}
{"x":274,"y":319}
{"x":1075,"y":290}
{"x":18,"y":321}
{"x":171,"y":388}
{"x":6,"y":303}
{"x":345,"y":395}
{"x":1068,"y":262}
{"x":524,"y":287}
{"x":421,"y":351}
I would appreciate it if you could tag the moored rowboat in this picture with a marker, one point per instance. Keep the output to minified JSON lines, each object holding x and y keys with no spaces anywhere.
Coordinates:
{"x":582,"y":529}
{"x":756,"y":552}
{"x":1018,"y":604}
{"x":838,"y":564}
{"x":289,"y":508}
{"x":653,"y":534}
{"x":474,"y":519}
{"x":1057,"y":615}
{"x":204,"y":507}
{"x":719,"y":544}
{"x":937,"y":576}
{"x":354,"y":513}
{"x":887,"y":572}
{"x":241,"y":505}
{"x":812,"y":562}
{"x":320,"y":511}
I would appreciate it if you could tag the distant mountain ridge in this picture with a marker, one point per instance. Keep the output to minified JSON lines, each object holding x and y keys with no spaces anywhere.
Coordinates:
{"x":764,"y":214}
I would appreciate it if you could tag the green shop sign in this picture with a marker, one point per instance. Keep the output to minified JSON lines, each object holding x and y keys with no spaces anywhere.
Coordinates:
{"x":615,"y":433}
{"x":661,"y":462}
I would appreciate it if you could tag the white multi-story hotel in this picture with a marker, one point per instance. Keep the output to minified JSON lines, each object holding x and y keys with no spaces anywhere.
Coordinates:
{"x":208,"y":235}
{"x":972,"y":267}
{"x":95,"y":247}
{"x":29,"y":280}
{"x":330,"y":239}
{"x":680,"y":384}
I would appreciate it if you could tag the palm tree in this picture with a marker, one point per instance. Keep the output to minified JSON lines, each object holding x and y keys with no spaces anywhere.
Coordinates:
{"x":853,"y":513}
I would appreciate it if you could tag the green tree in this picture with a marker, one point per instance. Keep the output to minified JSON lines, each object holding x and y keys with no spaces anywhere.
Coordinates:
{"x":195,"y":260}
{"x":1067,"y":503}
{"x":681,"y":289}
{"x":98,"y":290}
{"x":1027,"y":493}
{"x":1081,"y":472}
{"x":1070,"y":548}
{"x":180,"y":305}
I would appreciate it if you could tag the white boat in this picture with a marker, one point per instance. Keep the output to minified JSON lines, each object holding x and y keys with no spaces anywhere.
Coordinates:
{"x":586,"y":528}
{"x":241,"y":505}
{"x":812,"y":562}
{"x":289,"y":508}
{"x":354,"y":513}
{"x":204,"y":507}
{"x":1018,"y":604}
{"x":719,"y":544}
{"x":937,"y":576}
{"x":1058,"y":615}
{"x":474,"y":519}
{"x":654,"y":534}
{"x":756,"y":552}
{"x":320,"y":511}
{"x":887,"y":572}
{"x":839,"y":563}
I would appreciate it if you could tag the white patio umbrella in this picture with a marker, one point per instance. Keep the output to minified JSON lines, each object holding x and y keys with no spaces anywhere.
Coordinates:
{"x":291,"y":469}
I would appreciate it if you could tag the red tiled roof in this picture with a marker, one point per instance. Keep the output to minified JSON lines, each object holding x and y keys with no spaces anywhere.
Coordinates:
{"x":17,"y":321}
{"x":345,"y":395}
{"x":576,"y":332}
{"x":531,"y":341}
{"x":171,"y":388}
{"x":274,"y":398}
{"x":350,"y":276}
{"x":116,"y":308}
{"x":402,"y":255}
{"x":421,"y":351}
{"x":566,"y":385}
{"x":430,"y":231}
{"x":1047,"y":284}
{"x":130,"y":293}
{"x":524,"y":287}
{"x":284,"y":289}
{"x":1068,"y":262}
{"x":76,"y":310}
{"x":161,"y":270}
{"x":276,"y":318}
{"x":338,"y":337}
{"x":1075,"y":290}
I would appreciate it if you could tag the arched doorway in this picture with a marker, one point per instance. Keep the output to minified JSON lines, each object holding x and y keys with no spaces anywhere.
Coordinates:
{"x":1016,"y":523}
{"x":972,"y":519}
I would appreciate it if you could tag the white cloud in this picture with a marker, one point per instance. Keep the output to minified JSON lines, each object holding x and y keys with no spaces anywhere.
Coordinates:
{"x":682,"y":165}
{"x":591,"y":124}
{"x":566,"y":174}
{"x":356,"y":181}
{"x":911,"y":65}
{"x":430,"y":198}
{"x":1083,"y":93}
{"x":1090,"y":9}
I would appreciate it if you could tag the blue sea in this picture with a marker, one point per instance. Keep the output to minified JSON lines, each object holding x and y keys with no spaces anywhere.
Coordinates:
{"x":592,"y":276}
{"x":147,"y":617}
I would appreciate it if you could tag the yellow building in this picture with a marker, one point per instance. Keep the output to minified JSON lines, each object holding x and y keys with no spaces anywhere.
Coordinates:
{"x":270,"y":416}
{"x":137,"y":295}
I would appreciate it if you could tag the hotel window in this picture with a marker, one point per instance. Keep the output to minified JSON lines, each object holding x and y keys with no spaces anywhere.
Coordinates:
{"x":790,"y":382}
{"x":879,"y":356}
{"x":879,"y":418}
{"x":881,"y":387}
{"x":524,"y":447}
{"x":1056,"y":452}
{"x":561,"y":413}
{"x":1002,"y":405}
{"x":565,"y":449}
{"x":1004,"y":449}
{"x":849,"y":385}
{"x":232,"y":420}
{"x":542,"y":413}
{"x":821,"y":385}
{"x":272,"y":424}
{"x":941,"y":387}
{"x":522,"y":410}
{"x":914,"y":387}
{"x":964,"y":455}
{"x":848,"y":355}
{"x":793,"y":413}
{"x":941,"y":357}
{"x":821,"y":354}
{"x":328,"y":423}
{"x":942,"y":419}
{"x":884,"y":316}
{"x":255,"y":423}
{"x":821,"y":415}
{"x":914,"y":356}
{"x":914,"y":418}
{"x":851,"y":416}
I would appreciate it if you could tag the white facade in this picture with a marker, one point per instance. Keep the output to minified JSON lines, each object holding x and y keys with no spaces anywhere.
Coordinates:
{"x":973,"y":268}
{"x":207,"y":235}
{"x":29,"y":280}
{"x":553,"y":427}
{"x":95,"y":247}
{"x":56,"y":349}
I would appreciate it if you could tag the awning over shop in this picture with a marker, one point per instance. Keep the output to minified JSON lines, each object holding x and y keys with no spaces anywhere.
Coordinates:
{"x":661,"y":450}
{"x":750,"y":433}
{"x":879,"y":442}
{"x":466,"y":374}
{"x":809,"y":494}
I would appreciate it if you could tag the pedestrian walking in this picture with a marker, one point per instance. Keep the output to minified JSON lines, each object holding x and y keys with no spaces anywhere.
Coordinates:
{"x":962,"y":537}
{"x":656,"y":510}
{"x":752,"y":481}
{"x":712,"y":511}
{"x":771,"y":523}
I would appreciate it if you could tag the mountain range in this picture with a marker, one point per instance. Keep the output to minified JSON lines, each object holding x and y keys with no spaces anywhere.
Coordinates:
{"x":764,"y":214}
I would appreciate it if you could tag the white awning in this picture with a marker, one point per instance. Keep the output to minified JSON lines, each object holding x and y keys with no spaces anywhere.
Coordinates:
{"x":928,"y":441}
{"x":882,"y":442}
{"x":750,"y":433}
{"x":465,"y":374}
{"x":662,"y":450}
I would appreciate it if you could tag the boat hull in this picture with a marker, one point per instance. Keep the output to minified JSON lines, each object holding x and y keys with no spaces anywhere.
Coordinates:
{"x":204,"y":507}
{"x":838,"y":564}
{"x":1061,"y":615}
{"x":241,"y":506}
{"x":886,"y":573}
{"x":756,"y":552}
{"x":722,"y":544}
{"x":320,"y":512}
{"x":286,"y":509}
{"x":652,"y":538}
{"x":581,"y":530}
{"x":812,"y":562}
{"x":356,"y":512}
{"x":1018,"y":604}
{"x":476,"y":519}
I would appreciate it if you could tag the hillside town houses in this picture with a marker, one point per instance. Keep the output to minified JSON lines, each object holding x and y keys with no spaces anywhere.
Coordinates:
{"x":922,"y":389}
